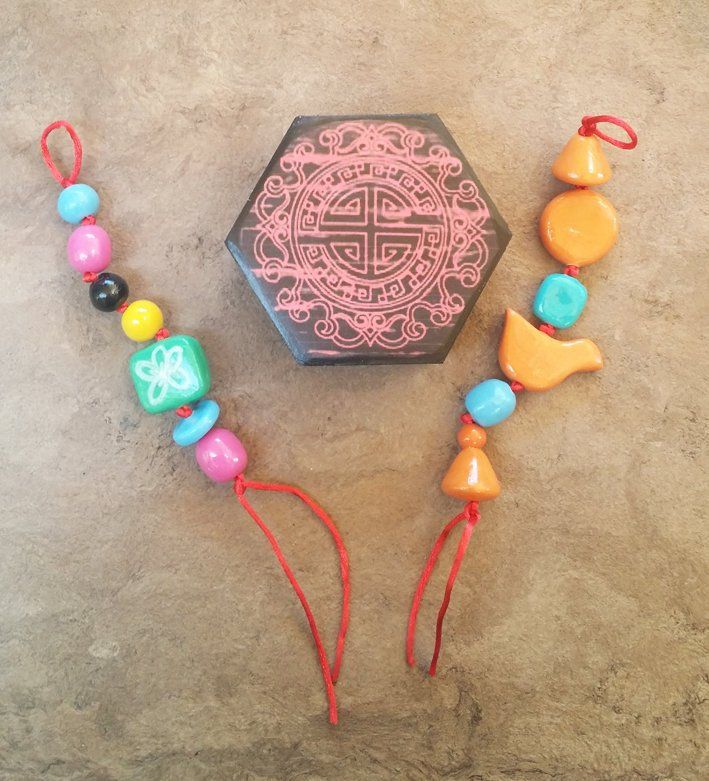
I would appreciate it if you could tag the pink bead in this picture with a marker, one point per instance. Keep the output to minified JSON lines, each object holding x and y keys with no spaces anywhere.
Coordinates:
{"x":89,"y":249}
{"x":220,"y":455}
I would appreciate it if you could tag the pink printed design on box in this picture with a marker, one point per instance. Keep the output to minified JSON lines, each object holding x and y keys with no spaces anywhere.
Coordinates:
{"x":369,"y":230}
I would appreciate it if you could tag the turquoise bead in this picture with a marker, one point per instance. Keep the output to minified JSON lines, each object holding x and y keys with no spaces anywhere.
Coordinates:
{"x":491,"y":402}
{"x":192,"y":429}
{"x":560,"y":300}
{"x":76,"y":202}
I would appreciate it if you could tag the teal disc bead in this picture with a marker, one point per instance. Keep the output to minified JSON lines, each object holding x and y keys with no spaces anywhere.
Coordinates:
{"x":76,"y":202}
{"x":491,"y":402}
{"x":560,"y":300}
{"x":191,"y":429}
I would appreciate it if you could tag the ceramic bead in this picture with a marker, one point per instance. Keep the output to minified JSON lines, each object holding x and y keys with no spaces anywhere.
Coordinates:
{"x":170,"y":373}
{"x":560,"y":300}
{"x":471,"y":435}
{"x":89,"y":249}
{"x":191,"y":429}
{"x":76,"y":202}
{"x":142,"y":320}
{"x":578,"y":227}
{"x":491,"y":402}
{"x":471,"y":477}
{"x":108,"y":291}
{"x":539,"y":361}
{"x":582,"y":162}
{"x":220,"y":455}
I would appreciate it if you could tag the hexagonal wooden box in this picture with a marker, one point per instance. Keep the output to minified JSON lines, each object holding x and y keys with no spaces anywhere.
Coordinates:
{"x":368,"y":239}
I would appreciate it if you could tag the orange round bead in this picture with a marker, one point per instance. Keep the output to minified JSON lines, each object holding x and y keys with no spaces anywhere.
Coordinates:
{"x":471,"y":435}
{"x":578,"y":227}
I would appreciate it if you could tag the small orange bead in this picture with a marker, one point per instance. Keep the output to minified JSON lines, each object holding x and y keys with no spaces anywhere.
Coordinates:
{"x":578,"y":227}
{"x":472,"y":436}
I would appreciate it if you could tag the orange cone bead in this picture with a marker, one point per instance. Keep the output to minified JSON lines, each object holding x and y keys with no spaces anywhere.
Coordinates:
{"x":578,"y":227}
{"x":582,"y":162}
{"x":471,"y":477}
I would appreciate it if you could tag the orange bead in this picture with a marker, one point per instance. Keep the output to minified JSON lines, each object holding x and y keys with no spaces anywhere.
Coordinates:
{"x":471,"y":477}
{"x":582,"y":162}
{"x":578,"y":227}
{"x":539,"y":361}
{"x":471,"y":435}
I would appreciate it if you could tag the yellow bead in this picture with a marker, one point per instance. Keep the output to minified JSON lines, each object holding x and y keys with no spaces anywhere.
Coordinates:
{"x":578,"y":227}
{"x":142,"y":320}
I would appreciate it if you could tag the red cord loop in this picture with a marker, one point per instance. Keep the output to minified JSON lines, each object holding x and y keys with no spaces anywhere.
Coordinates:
{"x":471,"y":516}
{"x":466,"y":419}
{"x":516,"y":386}
{"x":330,"y":676}
{"x":547,"y":329}
{"x":589,"y":128}
{"x":571,"y":271}
{"x":47,"y":157}
{"x":161,"y":333}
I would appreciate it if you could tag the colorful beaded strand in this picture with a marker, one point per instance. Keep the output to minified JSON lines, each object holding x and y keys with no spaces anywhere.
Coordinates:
{"x":577,"y":228}
{"x":172,"y":374}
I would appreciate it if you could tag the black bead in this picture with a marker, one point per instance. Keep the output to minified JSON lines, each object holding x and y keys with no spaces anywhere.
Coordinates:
{"x":108,"y":291}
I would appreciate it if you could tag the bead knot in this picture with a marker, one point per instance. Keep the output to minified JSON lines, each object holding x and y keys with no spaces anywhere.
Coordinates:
{"x":184,"y":411}
{"x":471,"y":512}
{"x":239,"y":485}
{"x":517,"y":387}
{"x":571,"y":271}
{"x":162,"y":333}
{"x":547,"y":329}
{"x":466,"y":418}
{"x":90,"y":276}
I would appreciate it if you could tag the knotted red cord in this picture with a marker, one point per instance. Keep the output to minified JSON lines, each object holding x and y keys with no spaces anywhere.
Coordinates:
{"x":47,"y":157}
{"x":471,"y":515}
{"x":329,"y":676}
{"x":589,"y":128}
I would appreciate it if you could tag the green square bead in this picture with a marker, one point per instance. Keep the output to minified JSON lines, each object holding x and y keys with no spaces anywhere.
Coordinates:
{"x":170,"y":373}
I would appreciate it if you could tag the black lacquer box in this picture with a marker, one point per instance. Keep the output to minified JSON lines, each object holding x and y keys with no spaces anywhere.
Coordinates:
{"x":368,"y":239}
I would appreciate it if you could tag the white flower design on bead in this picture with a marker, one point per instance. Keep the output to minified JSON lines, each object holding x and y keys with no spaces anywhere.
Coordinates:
{"x":164,"y":370}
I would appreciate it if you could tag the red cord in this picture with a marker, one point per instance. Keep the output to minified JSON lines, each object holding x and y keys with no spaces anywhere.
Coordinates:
{"x":47,"y":157}
{"x":589,"y":128}
{"x":471,"y":514}
{"x":516,"y":386}
{"x":329,"y":677}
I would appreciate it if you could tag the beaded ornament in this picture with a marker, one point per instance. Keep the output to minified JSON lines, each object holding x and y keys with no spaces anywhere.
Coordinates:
{"x":577,"y":227}
{"x":172,"y":373}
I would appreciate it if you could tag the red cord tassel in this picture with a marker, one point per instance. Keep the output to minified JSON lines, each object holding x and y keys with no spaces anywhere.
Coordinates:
{"x":330,"y":676}
{"x":471,"y":515}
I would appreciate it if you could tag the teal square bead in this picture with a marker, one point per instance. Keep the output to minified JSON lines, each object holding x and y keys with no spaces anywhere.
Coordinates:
{"x":170,"y":373}
{"x":560,"y":300}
